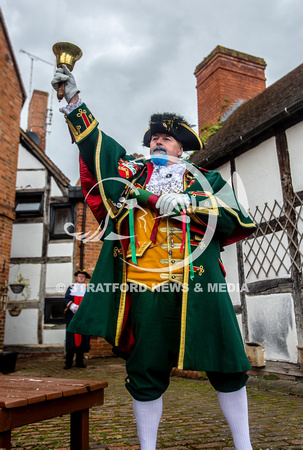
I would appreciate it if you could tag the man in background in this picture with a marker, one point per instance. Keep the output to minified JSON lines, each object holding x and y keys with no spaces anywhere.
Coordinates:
{"x":75,"y":343}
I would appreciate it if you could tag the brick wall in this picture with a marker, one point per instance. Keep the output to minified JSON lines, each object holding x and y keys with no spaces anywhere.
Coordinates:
{"x":11,"y":95}
{"x":226,"y":75}
{"x":37,"y":115}
{"x":91,"y":251}
{"x":99,"y":347}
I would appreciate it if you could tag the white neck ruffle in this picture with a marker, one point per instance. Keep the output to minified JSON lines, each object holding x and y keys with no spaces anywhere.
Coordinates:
{"x":166,"y":179}
{"x":78,"y":289}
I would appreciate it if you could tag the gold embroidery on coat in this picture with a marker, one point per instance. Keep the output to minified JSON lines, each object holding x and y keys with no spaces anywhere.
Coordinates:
{"x":201,"y":270}
{"x":184,"y":310}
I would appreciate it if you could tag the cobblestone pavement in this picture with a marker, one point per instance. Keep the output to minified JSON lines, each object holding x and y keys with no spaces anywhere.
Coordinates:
{"x":191,"y":419}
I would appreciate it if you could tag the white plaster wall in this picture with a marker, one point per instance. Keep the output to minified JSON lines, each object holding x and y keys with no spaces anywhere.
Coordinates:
{"x":229,"y":259}
{"x":60,"y":249}
{"x":271,"y":322}
{"x":27,"y":161}
{"x":239,"y":319}
{"x":58,"y":278}
{"x":295,"y":147}
{"x":237,"y":183}
{"x":21,"y":329}
{"x":55,"y":191}
{"x":31,"y":179}
{"x":259,"y":171}
{"x":27,"y":240}
{"x":30,"y":272}
{"x":225,"y":171}
{"x":54,"y":337}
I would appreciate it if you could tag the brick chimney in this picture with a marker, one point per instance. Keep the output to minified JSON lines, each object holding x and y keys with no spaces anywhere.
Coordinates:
{"x":225,"y":79}
{"x":37,"y":116}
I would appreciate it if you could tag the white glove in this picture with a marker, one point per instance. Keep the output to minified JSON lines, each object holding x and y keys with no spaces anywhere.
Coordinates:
{"x":167,"y":203}
{"x":73,"y":307}
{"x":64,"y":75}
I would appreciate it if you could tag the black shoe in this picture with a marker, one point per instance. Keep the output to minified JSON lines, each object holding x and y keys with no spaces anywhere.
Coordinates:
{"x":81,"y":365}
{"x":67,"y":366}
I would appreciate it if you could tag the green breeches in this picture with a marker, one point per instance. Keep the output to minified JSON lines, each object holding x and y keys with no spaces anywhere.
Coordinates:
{"x":155,"y":319}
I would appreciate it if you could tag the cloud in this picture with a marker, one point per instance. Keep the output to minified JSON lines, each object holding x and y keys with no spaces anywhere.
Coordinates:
{"x":139,"y":57}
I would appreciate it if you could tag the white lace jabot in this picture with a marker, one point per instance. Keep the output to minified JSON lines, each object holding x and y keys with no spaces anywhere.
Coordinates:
{"x":78,"y":289}
{"x":166,"y":179}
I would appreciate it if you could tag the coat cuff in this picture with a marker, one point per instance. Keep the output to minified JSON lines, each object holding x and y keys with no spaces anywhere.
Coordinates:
{"x":81,"y":123}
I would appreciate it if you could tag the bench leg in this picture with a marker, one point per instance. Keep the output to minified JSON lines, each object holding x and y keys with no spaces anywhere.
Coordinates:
{"x":79,"y":430}
{"x":5,"y":439}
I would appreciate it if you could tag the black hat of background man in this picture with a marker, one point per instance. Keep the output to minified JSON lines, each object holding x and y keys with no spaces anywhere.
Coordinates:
{"x":175,"y":126}
{"x":84,"y":273}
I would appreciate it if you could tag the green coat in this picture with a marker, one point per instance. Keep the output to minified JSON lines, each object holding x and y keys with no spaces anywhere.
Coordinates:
{"x":210,"y":335}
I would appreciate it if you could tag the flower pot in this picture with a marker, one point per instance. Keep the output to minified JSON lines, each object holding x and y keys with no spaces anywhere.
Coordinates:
{"x":300,"y":356}
{"x":8,"y":361}
{"x":255,"y":354}
{"x":14,"y":312}
{"x":17,"y":288}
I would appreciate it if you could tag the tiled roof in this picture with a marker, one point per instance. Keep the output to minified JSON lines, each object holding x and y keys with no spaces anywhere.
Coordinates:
{"x":268,"y":108}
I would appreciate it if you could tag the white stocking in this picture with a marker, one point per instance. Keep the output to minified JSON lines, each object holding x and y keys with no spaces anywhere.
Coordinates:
{"x":235,"y":409}
{"x":148,"y":415}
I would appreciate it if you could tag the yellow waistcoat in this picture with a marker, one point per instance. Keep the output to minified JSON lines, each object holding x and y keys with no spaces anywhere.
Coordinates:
{"x":160,"y":262}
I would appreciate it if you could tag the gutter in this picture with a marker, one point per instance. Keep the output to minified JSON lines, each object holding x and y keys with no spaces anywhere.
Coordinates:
{"x":287,"y":111}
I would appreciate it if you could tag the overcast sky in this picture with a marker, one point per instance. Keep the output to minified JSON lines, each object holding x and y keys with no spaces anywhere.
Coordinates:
{"x":139,"y":56}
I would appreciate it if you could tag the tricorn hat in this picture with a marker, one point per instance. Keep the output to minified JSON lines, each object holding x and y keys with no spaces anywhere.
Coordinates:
{"x":175,"y":126}
{"x":87,"y":275}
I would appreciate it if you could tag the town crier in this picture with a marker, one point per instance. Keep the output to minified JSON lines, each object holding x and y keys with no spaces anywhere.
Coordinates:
{"x":158,"y":292}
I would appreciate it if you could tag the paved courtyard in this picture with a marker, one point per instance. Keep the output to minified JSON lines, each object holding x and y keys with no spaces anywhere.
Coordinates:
{"x":191,"y":418}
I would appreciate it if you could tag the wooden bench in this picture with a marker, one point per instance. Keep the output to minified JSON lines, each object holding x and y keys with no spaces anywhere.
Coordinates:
{"x":28,"y":400}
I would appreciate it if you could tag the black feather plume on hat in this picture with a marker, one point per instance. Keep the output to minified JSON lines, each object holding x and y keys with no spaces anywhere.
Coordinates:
{"x":175,"y":126}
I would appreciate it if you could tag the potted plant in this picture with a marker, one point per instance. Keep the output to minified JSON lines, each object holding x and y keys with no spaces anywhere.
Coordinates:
{"x":15,"y":310}
{"x":19,"y":286}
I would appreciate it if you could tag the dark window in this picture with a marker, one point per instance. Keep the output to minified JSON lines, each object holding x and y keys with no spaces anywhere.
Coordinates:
{"x":29,"y":204}
{"x":54,"y":310}
{"x":59,"y":216}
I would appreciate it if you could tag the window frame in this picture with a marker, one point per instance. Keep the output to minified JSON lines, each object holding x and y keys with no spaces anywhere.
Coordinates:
{"x":47,"y":309}
{"x":29,"y":196}
{"x":53,"y":208}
